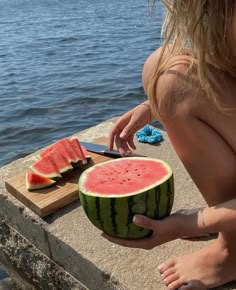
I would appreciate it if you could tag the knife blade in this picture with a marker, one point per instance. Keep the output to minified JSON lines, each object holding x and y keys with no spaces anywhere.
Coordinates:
{"x":103,"y":150}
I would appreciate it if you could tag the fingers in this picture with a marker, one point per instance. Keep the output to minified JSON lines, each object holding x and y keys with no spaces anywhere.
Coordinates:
{"x":122,"y":146}
{"x":111,"y":141}
{"x":145,"y":222}
{"x":128,"y":131}
{"x":113,"y":133}
{"x":123,"y":132}
{"x":116,"y":131}
{"x":130,"y":142}
{"x":124,"y":140}
{"x":144,"y":243}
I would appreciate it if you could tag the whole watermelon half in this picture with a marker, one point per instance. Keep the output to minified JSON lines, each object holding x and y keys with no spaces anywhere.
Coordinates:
{"x":112,"y":192}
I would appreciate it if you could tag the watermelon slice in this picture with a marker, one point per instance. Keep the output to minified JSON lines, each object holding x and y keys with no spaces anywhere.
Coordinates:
{"x":69,"y":148}
{"x":46,"y":167}
{"x":77,"y":148}
{"x":65,"y":148}
{"x":36,"y":181}
{"x":112,"y":192}
{"x":85,"y":152}
{"x":45,"y":151}
{"x":60,"y":160}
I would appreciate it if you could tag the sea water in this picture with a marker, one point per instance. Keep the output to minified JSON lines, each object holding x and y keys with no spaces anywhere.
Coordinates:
{"x":66,"y":65}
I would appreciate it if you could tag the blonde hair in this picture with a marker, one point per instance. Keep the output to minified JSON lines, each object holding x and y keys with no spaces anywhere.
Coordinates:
{"x":200,"y":25}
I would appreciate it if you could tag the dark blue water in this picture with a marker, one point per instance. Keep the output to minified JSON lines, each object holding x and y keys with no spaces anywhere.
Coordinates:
{"x":3,"y":274}
{"x":66,"y":65}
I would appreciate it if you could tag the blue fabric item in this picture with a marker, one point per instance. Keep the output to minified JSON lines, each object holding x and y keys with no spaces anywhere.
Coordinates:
{"x":149,"y":135}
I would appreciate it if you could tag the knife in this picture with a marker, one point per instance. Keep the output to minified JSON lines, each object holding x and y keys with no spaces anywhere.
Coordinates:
{"x":103,"y":150}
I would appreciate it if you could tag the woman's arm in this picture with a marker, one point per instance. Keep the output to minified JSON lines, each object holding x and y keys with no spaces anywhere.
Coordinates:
{"x":219,"y":218}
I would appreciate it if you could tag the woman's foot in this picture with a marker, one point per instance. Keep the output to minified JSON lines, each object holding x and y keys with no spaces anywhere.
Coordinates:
{"x":210,"y":267}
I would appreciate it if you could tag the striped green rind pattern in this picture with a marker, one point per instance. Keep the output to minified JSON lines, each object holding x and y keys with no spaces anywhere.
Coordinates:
{"x":114,"y":215}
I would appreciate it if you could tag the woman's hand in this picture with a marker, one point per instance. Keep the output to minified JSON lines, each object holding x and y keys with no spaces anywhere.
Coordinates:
{"x":165,"y":230}
{"x":123,"y":131}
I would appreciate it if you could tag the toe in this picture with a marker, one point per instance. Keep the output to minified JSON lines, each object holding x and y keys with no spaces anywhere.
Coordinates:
{"x":168,"y":263}
{"x":168,"y":272}
{"x":175,"y":284}
{"x":171,"y":279}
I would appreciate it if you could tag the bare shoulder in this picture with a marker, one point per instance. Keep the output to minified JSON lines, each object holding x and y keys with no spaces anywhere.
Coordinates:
{"x":179,"y":63}
{"x":171,"y":87}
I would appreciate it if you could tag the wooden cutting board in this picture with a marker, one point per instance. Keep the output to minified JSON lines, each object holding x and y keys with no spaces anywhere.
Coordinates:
{"x":48,"y":200}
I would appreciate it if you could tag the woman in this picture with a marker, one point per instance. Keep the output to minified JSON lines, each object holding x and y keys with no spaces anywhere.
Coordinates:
{"x":192,"y":92}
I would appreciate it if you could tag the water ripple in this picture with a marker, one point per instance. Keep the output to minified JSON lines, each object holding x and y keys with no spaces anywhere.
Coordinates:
{"x":68,"y":65}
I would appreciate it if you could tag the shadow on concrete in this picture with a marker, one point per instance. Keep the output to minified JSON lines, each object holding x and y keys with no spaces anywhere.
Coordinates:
{"x":61,"y":212}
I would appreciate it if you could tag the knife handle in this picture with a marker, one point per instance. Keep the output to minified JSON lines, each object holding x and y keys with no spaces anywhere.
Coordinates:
{"x":116,"y":154}
{"x":112,"y":153}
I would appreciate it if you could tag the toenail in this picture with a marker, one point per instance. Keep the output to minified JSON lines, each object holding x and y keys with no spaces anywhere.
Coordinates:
{"x":165,"y":281}
{"x":161,"y":266}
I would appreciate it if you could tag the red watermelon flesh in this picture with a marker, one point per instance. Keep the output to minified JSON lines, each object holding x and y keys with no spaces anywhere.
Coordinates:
{"x":125,"y":176}
{"x":74,"y":158}
{"x":36,"y":181}
{"x":86,"y":153}
{"x":56,"y":147}
{"x":46,"y":167}
{"x":77,"y":147}
{"x":46,"y":151}
{"x":65,"y":148}
{"x":60,"y":160}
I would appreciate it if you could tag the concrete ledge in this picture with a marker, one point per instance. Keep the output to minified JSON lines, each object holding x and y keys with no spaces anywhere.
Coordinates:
{"x":29,"y":266}
{"x":65,"y":251}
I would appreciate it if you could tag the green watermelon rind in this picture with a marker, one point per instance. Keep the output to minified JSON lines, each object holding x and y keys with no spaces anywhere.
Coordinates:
{"x":114,"y":214}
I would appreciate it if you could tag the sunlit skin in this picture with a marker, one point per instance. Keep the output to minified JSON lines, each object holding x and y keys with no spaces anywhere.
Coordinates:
{"x":200,"y":135}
